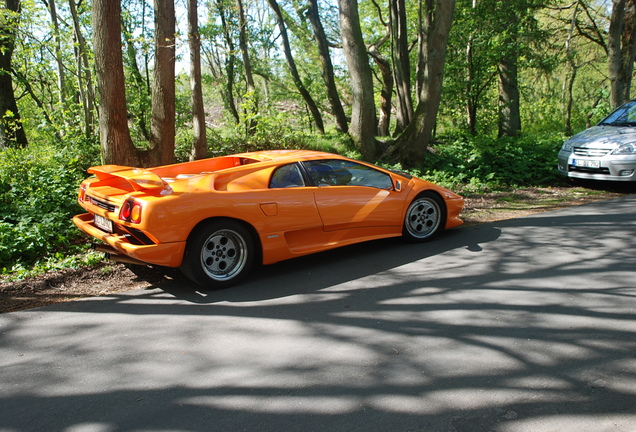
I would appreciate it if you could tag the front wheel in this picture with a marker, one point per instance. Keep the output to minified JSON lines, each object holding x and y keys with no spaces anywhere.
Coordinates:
{"x":218,"y":254}
{"x":425,"y":217}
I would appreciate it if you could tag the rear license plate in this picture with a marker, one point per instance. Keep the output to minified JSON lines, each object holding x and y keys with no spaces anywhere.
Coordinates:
{"x":584,"y":163}
{"x":103,"y":223}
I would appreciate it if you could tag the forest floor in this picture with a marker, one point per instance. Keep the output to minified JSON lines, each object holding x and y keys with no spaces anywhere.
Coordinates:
{"x":109,"y":277}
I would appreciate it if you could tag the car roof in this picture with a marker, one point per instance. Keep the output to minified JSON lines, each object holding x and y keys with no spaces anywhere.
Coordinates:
{"x":287,"y":155}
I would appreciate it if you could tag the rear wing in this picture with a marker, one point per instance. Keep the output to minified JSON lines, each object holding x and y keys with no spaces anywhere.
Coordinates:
{"x":138,"y":178}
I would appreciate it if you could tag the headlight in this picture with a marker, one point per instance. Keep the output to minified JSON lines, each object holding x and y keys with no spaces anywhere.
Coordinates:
{"x":567,"y":146}
{"x":625,"y":149}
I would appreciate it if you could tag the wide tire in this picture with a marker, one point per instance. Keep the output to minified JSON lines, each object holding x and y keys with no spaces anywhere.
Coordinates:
{"x":219,"y":254}
{"x":425,"y":218}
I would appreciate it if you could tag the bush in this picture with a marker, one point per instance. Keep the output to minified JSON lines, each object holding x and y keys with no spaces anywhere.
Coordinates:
{"x":486,"y":163}
{"x":38,"y":197}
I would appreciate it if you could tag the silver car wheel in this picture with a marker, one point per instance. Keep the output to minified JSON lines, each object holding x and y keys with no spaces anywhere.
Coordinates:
{"x":423,"y":218}
{"x":224,"y":254}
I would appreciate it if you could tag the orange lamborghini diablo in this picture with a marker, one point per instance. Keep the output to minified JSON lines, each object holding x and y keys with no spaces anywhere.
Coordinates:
{"x":214,"y":217}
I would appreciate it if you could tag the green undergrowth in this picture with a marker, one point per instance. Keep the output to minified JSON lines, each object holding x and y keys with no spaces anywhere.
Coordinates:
{"x":483,"y":164}
{"x":38,"y":197}
{"x":71,"y":258}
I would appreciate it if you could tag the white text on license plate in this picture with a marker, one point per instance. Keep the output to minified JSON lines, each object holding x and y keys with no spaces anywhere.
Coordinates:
{"x":586,"y":163}
{"x":103,"y":223}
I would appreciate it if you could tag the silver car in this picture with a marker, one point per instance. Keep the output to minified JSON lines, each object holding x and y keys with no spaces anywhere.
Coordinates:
{"x":606,"y":151}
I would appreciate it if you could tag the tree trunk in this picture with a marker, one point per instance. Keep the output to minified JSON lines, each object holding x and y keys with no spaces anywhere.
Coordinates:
{"x":117,"y":147}
{"x":401,"y":65}
{"x":11,"y":130}
{"x":509,"y":103}
{"x":309,"y":101}
{"x":569,"y":102}
{"x":84,"y":74}
{"x":387,"y":89}
{"x":247,"y":65}
{"x":61,"y":76}
{"x":569,"y":84}
{"x":621,"y":50}
{"x":162,"y":128}
{"x":199,"y":146}
{"x":509,"y":107}
{"x":228,"y":93}
{"x":479,"y":76}
{"x":435,"y":23}
{"x":628,"y":51}
{"x":628,"y":48}
{"x":327,"y":67}
{"x":363,"y":117}
{"x":471,"y":105}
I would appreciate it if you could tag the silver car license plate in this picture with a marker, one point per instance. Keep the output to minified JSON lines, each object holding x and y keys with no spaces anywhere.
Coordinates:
{"x":103,"y":223}
{"x":584,"y":163}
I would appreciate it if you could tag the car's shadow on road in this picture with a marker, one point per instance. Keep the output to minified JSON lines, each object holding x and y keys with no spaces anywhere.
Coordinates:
{"x":327,"y":269}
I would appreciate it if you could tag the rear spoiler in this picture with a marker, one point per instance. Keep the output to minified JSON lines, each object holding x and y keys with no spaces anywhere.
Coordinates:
{"x":138,"y":178}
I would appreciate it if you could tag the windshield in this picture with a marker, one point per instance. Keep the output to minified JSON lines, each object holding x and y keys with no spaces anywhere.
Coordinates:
{"x":625,"y":115}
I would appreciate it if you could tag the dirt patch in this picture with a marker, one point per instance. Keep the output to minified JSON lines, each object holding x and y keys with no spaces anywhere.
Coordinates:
{"x":74,"y":284}
{"x":495,"y":206}
{"x":108,"y":277}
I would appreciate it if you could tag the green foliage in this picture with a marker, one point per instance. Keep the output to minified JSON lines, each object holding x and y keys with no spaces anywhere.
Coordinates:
{"x":484,"y":163}
{"x":277,"y":131}
{"x":77,"y":256}
{"x":38,"y":192}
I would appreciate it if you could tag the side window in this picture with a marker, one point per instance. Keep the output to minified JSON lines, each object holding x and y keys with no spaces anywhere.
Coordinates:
{"x":287,"y":176}
{"x":346,"y":173}
{"x":324,"y":173}
{"x":624,"y":114}
{"x":631,"y":116}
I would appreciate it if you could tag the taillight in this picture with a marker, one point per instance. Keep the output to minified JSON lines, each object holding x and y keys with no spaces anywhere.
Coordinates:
{"x":82,"y":193}
{"x":130,"y":211}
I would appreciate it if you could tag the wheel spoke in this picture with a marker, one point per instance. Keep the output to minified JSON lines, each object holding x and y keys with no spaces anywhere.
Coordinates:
{"x":423,"y":218}
{"x":224,"y":254}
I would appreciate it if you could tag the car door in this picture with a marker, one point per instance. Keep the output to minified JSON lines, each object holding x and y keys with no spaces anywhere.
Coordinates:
{"x":290,"y":202}
{"x":352,"y":195}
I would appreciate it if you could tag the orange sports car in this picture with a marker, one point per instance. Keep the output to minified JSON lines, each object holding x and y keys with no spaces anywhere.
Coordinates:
{"x":215,"y":218}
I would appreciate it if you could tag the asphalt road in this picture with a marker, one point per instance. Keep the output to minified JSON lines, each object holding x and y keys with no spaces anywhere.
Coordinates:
{"x":520,"y":325}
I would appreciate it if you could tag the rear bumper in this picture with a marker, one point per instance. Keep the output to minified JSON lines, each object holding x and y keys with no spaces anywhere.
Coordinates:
{"x":165,"y":254}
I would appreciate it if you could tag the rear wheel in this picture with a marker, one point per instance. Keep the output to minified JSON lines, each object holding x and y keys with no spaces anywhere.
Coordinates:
{"x":425,"y":217}
{"x":219,"y":253}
